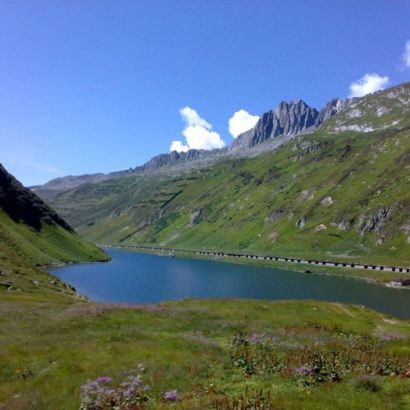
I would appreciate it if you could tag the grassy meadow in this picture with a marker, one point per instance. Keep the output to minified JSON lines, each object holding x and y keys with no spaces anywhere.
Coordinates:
{"x":216,"y":354}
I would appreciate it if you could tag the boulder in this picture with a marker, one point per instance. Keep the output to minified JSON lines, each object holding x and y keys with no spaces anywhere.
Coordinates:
{"x":327,"y":201}
{"x":321,"y":228}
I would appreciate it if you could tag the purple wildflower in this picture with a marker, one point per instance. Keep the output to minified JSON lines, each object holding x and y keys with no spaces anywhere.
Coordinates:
{"x":103,"y":379}
{"x":304,"y":371}
{"x":257,"y":338}
{"x":128,"y":392}
{"x":98,"y":393}
{"x":171,"y":395}
{"x":392,"y":335}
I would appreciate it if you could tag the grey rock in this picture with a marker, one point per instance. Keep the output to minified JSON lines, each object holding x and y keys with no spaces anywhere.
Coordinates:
{"x":373,"y":222}
{"x":344,"y":225}
{"x":307,"y":194}
{"x":301,"y":222}
{"x":289,"y":119}
{"x":173,"y":157}
{"x":327,"y":201}
{"x":197,"y":216}
{"x":321,"y":228}
{"x":332,"y":108}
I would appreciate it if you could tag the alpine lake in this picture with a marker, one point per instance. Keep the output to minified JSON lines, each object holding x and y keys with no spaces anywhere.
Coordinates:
{"x":139,"y":278}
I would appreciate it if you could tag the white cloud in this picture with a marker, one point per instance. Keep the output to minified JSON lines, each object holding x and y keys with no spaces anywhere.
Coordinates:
{"x":192,"y":118}
{"x":197,"y":132}
{"x":406,"y":55}
{"x":178,"y":146}
{"x":241,"y":121}
{"x":368,"y":84}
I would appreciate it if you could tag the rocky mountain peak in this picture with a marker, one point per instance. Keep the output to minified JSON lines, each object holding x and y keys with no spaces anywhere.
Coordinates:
{"x":288,"y":119}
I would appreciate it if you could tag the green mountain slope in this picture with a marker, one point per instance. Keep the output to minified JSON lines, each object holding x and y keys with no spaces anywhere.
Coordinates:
{"x":32,"y":235}
{"x":341,"y":192}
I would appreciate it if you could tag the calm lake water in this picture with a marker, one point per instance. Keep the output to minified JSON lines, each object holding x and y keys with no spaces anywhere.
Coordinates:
{"x":133,"y":277}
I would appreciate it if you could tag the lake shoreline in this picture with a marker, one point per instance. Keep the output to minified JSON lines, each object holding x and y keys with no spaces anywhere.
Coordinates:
{"x":141,"y":277}
{"x":319,"y":270}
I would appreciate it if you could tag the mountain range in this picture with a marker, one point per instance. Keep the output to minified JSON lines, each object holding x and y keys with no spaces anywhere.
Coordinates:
{"x":302,"y":182}
{"x":273,"y":128}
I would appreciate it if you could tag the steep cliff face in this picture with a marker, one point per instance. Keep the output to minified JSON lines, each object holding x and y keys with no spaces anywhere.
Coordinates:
{"x":332,"y":108}
{"x":288,"y":119}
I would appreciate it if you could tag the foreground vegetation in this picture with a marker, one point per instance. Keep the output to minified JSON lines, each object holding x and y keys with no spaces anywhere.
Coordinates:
{"x":200,"y":354}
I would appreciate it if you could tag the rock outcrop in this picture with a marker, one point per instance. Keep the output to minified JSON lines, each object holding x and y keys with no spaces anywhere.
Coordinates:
{"x":327,"y":201}
{"x":331,"y":109}
{"x":171,"y":158}
{"x":373,"y":222}
{"x":198,"y":216}
{"x":288,"y":119}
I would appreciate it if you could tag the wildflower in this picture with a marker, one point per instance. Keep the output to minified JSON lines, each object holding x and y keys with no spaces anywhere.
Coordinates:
{"x":171,"y":395}
{"x":98,"y":394}
{"x":103,"y":379}
{"x":304,"y":371}
{"x":392,"y":335}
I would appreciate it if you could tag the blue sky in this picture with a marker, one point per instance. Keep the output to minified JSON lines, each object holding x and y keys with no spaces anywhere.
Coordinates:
{"x":96,"y":86}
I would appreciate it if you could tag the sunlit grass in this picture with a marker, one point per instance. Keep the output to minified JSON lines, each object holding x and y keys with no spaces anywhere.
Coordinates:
{"x":50,"y":349}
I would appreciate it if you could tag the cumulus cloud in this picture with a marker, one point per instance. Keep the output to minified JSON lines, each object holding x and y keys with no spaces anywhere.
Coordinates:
{"x":197,"y":132}
{"x":241,"y":121}
{"x":406,"y":55}
{"x":178,"y":146}
{"x":368,"y":84}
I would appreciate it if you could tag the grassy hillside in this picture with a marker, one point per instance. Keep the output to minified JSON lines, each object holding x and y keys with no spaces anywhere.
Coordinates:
{"x":340,"y":193}
{"x":33,"y":235}
{"x":290,"y":355}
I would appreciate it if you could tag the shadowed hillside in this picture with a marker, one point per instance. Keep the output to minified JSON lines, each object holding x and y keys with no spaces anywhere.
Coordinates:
{"x":31,"y":235}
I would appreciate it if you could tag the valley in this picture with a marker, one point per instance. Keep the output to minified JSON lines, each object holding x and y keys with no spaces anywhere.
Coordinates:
{"x":334,"y":199}
{"x":204,"y":205}
{"x":339,"y":193}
